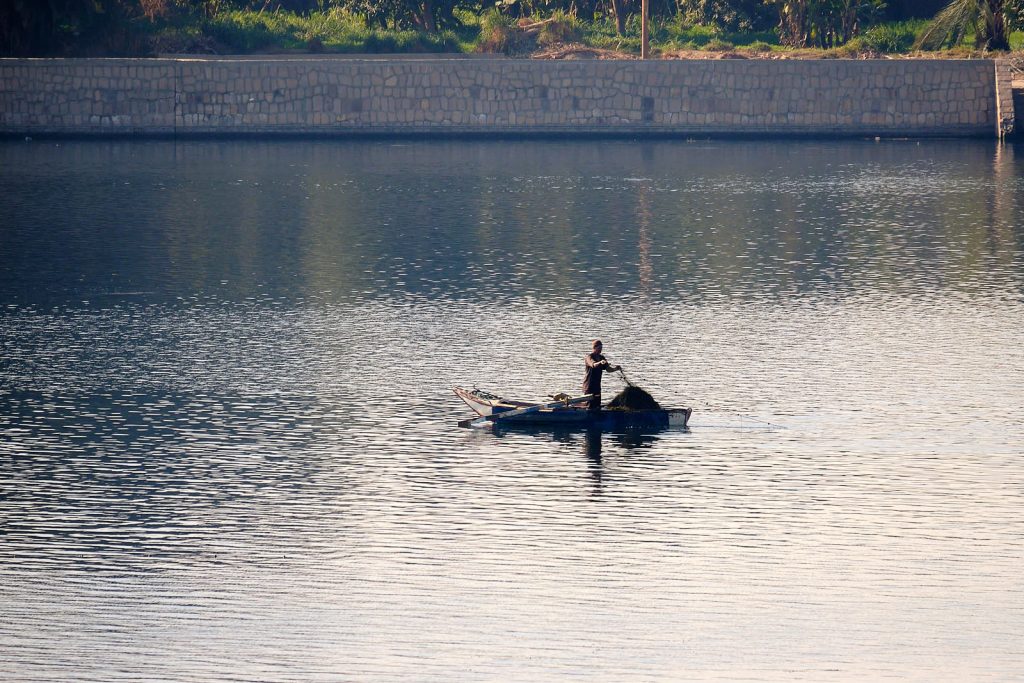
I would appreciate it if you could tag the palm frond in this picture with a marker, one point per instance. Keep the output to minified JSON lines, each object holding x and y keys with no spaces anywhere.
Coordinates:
{"x":955,"y":21}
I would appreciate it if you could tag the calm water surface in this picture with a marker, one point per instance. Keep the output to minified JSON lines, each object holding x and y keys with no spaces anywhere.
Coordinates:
{"x":228,"y":446}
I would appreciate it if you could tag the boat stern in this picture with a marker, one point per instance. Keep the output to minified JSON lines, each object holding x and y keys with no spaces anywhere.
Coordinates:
{"x":679,"y":417}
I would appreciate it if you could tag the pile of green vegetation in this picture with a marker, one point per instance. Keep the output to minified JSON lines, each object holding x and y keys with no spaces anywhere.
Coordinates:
{"x":515,"y":27}
{"x":633,"y":398}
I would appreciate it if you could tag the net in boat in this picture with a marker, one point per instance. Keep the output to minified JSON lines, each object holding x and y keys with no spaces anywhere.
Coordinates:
{"x":633,"y":398}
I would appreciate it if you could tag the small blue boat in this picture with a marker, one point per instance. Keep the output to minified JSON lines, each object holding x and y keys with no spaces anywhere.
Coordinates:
{"x":564,"y":412}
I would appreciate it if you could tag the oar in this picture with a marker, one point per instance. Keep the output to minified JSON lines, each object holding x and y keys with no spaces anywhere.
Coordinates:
{"x":494,"y":417}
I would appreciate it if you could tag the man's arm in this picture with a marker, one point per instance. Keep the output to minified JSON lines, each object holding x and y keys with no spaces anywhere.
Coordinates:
{"x":602,"y":364}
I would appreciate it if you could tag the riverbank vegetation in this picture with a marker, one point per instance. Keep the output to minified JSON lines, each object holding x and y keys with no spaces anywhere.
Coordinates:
{"x":538,"y":28}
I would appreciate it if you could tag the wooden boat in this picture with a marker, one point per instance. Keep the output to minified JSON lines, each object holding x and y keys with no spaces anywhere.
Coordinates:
{"x":564,"y":412}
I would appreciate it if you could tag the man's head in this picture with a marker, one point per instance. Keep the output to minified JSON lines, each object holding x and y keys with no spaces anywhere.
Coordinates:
{"x":597,"y":345}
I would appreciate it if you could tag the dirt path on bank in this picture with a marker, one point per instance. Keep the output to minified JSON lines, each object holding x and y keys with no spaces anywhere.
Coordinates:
{"x":580,"y":51}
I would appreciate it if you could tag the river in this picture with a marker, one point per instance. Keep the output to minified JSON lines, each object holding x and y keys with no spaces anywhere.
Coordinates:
{"x":228,"y":442}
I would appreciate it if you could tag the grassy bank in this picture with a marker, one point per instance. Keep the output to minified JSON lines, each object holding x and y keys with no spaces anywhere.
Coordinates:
{"x":339,"y":32}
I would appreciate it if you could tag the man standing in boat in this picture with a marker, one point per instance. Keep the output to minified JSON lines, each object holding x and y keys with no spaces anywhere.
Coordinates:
{"x":596,"y":365}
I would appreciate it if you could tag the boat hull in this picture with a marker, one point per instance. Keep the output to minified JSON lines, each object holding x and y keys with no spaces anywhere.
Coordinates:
{"x":611,"y":420}
{"x":491,"y":407}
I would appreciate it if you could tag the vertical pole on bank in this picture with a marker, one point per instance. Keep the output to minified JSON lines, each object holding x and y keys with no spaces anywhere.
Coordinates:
{"x":644,"y":29}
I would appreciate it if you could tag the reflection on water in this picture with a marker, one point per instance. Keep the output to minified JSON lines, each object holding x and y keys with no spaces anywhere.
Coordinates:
{"x":228,"y":447}
{"x":592,"y":442}
{"x":708,"y":222}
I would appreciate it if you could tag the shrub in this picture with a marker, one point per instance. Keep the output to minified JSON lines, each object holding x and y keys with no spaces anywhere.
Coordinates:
{"x":700,"y":35}
{"x":851,"y":50}
{"x":889,"y":38}
{"x":686,"y":46}
{"x":718,"y":45}
{"x":497,"y":32}
{"x":758,"y":47}
{"x":732,"y":15}
{"x":560,"y":28}
{"x":762,"y":37}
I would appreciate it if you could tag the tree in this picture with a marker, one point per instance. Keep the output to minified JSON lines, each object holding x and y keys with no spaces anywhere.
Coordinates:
{"x":985,"y":18}
{"x":823,"y":23}
{"x":421,"y":15}
{"x":45,"y":27}
{"x":729,"y":15}
{"x":902,"y":10}
{"x":29,"y":27}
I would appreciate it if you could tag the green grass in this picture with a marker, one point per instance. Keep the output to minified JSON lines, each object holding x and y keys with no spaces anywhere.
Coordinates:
{"x":337,"y":31}
{"x":672,"y":35}
{"x":245,"y":32}
{"x":892,"y":38}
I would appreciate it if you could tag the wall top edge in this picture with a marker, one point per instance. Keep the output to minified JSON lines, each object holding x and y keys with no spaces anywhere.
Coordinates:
{"x":273,"y":59}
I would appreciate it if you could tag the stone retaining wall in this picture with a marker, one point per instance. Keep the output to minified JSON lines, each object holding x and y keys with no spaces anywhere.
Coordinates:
{"x":344,"y":96}
{"x":1018,"y":107}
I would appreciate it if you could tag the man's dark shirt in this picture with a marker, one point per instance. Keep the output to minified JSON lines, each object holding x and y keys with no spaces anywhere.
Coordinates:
{"x":592,"y":378}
